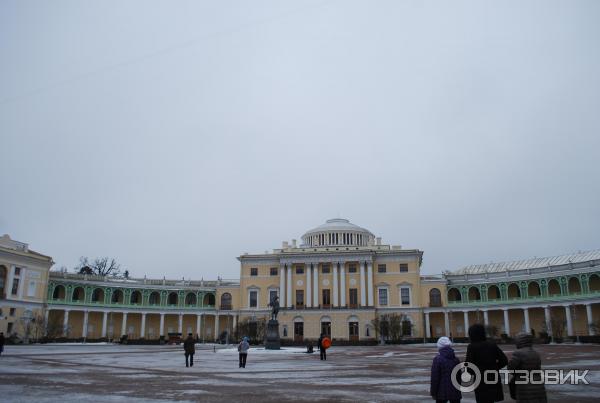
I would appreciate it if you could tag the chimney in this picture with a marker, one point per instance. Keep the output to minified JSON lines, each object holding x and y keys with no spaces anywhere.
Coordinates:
{"x":284,"y":244}
{"x":293,"y":243}
{"x":378,"y":240}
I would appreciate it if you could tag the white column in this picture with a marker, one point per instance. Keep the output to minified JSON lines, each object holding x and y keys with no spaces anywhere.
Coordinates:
{"x":335,"y":284}
{"x":342,"y":284}
{"x":486,"y":318}
{"x":234,"y":322}
{"x":447,"y":324}
{"x":526,"y":317}
{"x":66,"y":324}
{"x":370,"y":283}
{"x":363,"y":289}
{"x":427,"y":326}
{"x":124,"y":324}
{"x":85,"y":323}
{"x":316,"y":285}
{"x":104,"y":320}
{"x":216,"y":327}
{"x":466,"y":320}
{"x":282,"y":285}
{"x":161,"y":330}
{"x":308,"y":299}
{"x":547,"y":319}
{"x":506,"y":322}
{"x":289,"y":286}
{"x":569,"y":320}
{"x":180,"y":324}
{"x":590,"y":319}
{"x":143,"y":329}
{"x":198,"y":320}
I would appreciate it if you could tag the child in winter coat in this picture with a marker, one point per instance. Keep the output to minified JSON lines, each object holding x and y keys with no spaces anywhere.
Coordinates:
{"x":243,"y":348}
{"x":442,"y":389}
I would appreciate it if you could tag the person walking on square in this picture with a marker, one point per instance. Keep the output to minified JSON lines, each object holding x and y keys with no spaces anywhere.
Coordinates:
{"x":486,"y":355}
{"x":526,"y":358}
{"x":243,"y":348}
{"x":189,"y":346}
{"x":2,"y":341}
{"x":441,"y":388}
{"x":322,"y":349}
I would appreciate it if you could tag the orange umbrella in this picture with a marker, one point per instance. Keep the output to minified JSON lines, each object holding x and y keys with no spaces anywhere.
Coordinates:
{"x":326,"y":343}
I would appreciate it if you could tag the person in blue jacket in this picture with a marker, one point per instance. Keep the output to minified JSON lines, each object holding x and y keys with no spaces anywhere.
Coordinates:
{"x":441,"y":388}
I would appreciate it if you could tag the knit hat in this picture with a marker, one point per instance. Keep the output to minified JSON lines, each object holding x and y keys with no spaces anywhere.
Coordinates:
{"x":524,"y":340}
{"x":443,"y":342}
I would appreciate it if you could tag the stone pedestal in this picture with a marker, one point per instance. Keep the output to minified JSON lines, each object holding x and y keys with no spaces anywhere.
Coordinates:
{"x":272,"y":341}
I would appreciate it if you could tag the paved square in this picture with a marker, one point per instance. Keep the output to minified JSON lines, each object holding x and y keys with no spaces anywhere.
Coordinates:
{"x":114,"y":373}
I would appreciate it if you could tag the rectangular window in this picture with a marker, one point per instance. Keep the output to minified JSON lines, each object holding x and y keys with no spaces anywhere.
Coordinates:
{"x":403,"y":267}
{"x":32,"y":288}
{"x":326,"y":269}
{"x":353,"y":330}
{"x":383,"y":296}
{"x":405,"y":296}
{"x":253,"y":299}
{"x":9,"y":328}
{"x":352,"y":268}
{"x":272,"y":294}
{"x":353,"y":297}
{"x":381,"y":268}
{"x":326,"y":298}
{"x":299,"y":270}
{"x":17,"y":271}
{"x":254,"y":271}
{"x":299,"y":298}
{"x":15,"y":286}
{"x":12,"y":311}
{"x":273,"y":271}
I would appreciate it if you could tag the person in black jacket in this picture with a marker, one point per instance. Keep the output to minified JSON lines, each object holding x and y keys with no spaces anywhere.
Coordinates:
{"x":322,"y":349}
{"x":486,"y":355}
{"x":189,"y":347}
{"x":2,"y":341}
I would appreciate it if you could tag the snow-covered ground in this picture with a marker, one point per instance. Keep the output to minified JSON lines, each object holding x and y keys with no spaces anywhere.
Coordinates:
{"x":112,"y":373}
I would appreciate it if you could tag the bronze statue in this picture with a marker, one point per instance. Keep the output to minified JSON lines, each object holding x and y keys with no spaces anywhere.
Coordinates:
{"x":275,"y":304}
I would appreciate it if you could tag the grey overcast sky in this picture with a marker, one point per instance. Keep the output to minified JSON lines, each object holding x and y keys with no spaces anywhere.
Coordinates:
{"x":177,"y":135}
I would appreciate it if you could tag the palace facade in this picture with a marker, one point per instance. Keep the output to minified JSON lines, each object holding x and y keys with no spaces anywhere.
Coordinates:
{"x":337,"y":281}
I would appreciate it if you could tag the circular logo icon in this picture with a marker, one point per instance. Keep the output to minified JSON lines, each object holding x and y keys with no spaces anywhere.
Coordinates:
{"x":465,"y":376}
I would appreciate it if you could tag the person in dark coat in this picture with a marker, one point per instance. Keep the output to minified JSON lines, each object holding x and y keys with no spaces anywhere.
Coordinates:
{"x":441,"y":388}
{"x":486,"y":355}
{"x":322,"y":349}
{"x":189,"y":346}
{"x":2,"y":341}
{"x":525,"y":357}
{"x":243,"y":348}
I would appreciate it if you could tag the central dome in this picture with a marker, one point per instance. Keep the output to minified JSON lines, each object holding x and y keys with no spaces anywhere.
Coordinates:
{"x":338,"y":232}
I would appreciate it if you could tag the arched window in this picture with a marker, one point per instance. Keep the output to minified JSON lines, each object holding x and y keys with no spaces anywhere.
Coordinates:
{"x":59,"y":292}
{"x":435,"y":297}
{"x":3,"y":274}
{"x":474,"y":294}
{"x":594,"y":283}
{"x":454,"y":295}
{"x":513,"y":291}
{"x":154,"y":298}
{"x":554,"y":287}
{"x":494,"y":293}
{"x":172,"y":299}
{"x":209,"y":300}
{"x":574,"y":286}
{"x":136,"y":298}
{"x":79,"y":294}
{"x":117,"y":297}
{"x":226,"y":301}
{"x":98,"y":295}
{"x":190,"y":299}
{"x":533,"y":289}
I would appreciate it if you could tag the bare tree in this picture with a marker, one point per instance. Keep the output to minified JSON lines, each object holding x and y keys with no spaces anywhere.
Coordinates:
{"x":100,"y":266}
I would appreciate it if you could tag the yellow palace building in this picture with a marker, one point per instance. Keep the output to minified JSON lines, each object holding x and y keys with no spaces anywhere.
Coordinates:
{"x":340,"y":279}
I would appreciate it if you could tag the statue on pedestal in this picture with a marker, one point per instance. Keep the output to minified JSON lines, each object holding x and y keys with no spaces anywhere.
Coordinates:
{"x":272,"y":341}
{"x":275,"y":307}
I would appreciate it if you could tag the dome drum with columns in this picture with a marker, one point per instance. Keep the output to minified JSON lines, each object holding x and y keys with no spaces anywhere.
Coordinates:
{"x":338,"y":232}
